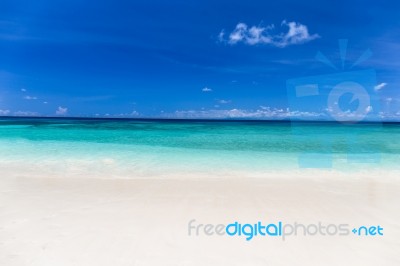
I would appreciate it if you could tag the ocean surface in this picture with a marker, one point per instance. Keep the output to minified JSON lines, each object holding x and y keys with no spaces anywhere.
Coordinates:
{"x":155,"y":148}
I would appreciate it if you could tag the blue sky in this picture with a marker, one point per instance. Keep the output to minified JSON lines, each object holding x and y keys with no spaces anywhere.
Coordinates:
{"x":186,"y":58}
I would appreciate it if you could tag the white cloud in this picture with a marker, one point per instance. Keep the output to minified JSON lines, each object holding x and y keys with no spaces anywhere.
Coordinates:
{"x":224,"y":101}
{"x":26,"y":113}
{"x":135,"y":113}
{"x":45,"y":102}
{"x":264,"y":113}
{"x":206,"y":89}
{"x":390,"y":116}
{"x":380,"y":86}
{"x":297,"y":33}
{"x":221,"y":36}
{"x":121,"y":115}
{"x":30,"y":97}
{"x":23,"y":90}
{"x":4,"y":112}
{"x":132,"y":114}
{"x":61,"y":111}
{"x":269,"y":113}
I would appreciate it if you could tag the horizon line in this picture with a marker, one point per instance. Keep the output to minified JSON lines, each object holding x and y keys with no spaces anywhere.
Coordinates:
{"x":287,"y":120}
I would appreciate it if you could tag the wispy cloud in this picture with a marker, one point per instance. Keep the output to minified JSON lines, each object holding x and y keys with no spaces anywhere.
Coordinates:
{"x":269,"y":113}
{"x":206,"y":89}
{"x":380,"y":86}
{"x":262,"y":113}
{"x":296,"y":33}
{"x":26,"y":113}
{"x":224,"y":101}
{"x":61,"y":110}
{"x":388,"y":100}
{"x":132,"y":114}
{"x":390,"y":116}
{"x":4,"y":112}
{"x":29,"y":98}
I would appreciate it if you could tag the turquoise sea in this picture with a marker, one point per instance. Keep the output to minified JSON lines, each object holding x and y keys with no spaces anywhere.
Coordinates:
{"x":145,"y":148}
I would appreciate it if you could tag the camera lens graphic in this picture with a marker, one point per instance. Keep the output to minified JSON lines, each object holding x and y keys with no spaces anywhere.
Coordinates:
{"x":359,"y":93}
{"x":346,"y":96}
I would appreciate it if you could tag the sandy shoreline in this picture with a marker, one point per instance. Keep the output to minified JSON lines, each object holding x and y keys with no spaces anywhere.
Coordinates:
{"x":48,"y":221}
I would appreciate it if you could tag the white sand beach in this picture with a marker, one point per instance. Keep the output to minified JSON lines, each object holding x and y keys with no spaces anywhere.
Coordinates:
{"x":83,"y":221}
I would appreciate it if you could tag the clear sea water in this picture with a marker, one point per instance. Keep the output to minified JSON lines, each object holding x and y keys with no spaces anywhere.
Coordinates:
{"x":124,"y":148}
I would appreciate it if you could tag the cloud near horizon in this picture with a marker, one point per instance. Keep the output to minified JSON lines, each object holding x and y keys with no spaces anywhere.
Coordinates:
{"x":269,"y":113}
{"x":297,"y":33}
{"x":61,"y":111}
{"x":262,"y":113}
{"x":26,"y":113}
{"x":4,"y":112}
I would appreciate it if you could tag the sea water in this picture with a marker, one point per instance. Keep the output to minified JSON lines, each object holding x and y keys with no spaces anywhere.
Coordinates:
{"x":119,"y":148}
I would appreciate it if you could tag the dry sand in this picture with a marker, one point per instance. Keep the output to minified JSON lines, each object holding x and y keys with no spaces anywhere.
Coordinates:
{"x":79,"y":221}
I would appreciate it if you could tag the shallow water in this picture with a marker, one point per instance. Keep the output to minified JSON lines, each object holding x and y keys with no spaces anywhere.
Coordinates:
{"x":151,"y":147}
